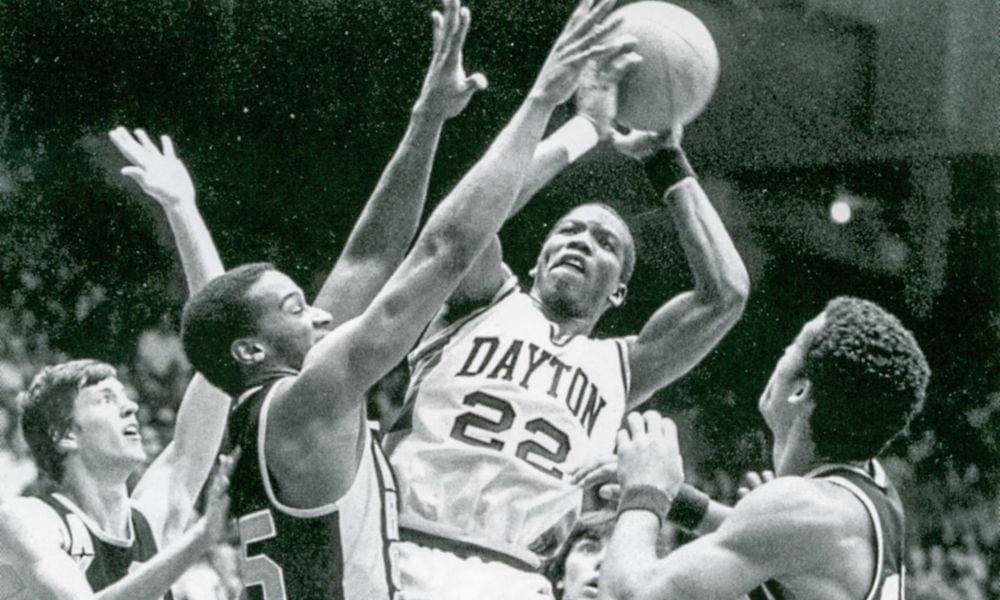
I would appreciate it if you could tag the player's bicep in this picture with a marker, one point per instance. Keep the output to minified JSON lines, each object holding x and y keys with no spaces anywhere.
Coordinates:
{"x":483,"y":280}
{"x":675,"y":339}
{"x":708,"y":567}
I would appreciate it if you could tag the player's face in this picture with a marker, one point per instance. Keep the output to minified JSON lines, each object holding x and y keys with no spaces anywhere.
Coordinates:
{"x":582,"y":568}
{"x":779,"y":403}
{"x":580,"y":265}
{"x":287,"y":326}
{"x":104,"y":427}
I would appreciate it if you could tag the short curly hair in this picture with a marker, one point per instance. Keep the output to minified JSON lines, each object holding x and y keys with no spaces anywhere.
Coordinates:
{"x":218,"y":314}
{"x":47,"y":408}
{"x":868,"y":376}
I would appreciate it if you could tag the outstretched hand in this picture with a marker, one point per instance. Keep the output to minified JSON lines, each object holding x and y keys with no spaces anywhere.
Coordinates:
{"x":447,"y":90}
{"x":584,"y":37}
{"x":160,"y":174}
{"x":597,"y":96}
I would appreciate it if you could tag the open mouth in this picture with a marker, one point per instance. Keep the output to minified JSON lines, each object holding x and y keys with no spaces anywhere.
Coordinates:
{"x":132,"y":431}
{"x":573,"y":262}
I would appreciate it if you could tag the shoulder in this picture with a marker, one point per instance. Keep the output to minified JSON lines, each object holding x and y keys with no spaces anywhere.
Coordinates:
{"x":23,"y":519}
{"x":791,"y":518}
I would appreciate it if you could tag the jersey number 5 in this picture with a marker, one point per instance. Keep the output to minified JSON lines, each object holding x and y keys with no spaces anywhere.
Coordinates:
{"x":260,"y":570}
{"x":526,"y":449}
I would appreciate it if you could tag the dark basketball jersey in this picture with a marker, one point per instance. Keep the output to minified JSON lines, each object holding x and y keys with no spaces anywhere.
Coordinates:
{"x":871,"y":486}
{"x":103,"y":559}
{"x":332,"y":552}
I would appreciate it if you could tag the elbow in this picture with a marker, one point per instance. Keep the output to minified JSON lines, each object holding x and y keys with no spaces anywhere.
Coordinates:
{"x":729,"y":298}
{"x":452,"y":248}
{"x":620,"y":586}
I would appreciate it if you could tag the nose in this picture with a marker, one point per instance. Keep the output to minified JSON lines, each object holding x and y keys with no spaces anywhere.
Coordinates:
{"x":320,"y":318}
{"x":581,"y":243}
{"x":129,"y":407}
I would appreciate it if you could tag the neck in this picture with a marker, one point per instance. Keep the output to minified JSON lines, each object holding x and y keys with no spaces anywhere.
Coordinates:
{"x":104,"y":499}
{"x":793,"y":452}
{"x":568,"y":324}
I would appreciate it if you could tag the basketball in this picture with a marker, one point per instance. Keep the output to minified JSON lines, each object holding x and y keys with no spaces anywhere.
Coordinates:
{"x":679,"y":70}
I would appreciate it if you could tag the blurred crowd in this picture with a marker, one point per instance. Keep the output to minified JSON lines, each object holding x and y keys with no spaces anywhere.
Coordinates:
{"x":954,"y":518}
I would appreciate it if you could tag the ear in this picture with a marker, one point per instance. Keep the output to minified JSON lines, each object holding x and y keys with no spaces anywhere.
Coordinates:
{"x":803,"y":392}
{"x":66,"y":442}
{"x":246,"y":351}
{"x":617,"y":298}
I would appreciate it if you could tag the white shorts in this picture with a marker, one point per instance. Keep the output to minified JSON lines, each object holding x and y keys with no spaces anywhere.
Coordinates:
{"x":433,"y":574}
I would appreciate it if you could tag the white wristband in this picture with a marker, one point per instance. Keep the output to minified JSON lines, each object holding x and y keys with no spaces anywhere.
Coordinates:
{"x":577,"y":136}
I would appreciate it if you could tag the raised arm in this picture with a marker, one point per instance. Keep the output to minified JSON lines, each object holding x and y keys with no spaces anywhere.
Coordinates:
{"x":683,"y":331}
{"x":37,"y":567}
{"x":169,"y":487}
{"x":596,"y":102}
{"x":350,"y":359}
{"x":389,"y":220}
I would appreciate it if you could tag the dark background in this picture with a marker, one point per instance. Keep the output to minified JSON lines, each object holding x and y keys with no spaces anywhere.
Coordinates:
{"x":286,"y":111}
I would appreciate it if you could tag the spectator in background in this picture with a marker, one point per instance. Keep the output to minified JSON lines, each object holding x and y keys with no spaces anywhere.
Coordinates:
{"x":17,"y":470}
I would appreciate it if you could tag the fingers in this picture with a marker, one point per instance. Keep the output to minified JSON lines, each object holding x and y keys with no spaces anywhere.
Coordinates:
{"x":147,"y":143}
{"x":168,"y":146}
{"x":477,"y":81}
{"x":620,"y":64}
{"x":136,"y":174}
{"x":438,"y":27}
{"x":610,"y":491}
{"x":127,"y":145}
{"x":636,"y":425}
{"x":753,"y":480}
{"x":465,"y":18}
{"x":582,"y":25}
{"x":602,"y":472}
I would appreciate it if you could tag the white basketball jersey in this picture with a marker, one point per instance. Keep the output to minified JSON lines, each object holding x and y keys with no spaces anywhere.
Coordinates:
{"x":502,"y":409}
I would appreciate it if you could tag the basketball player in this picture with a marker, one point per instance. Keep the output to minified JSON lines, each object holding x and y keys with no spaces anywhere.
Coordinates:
{"x":830,"y":525}
{"x":314,"y":495}
{"x":575,"y":569}
{"x":82,"y":430}
{"x":509,"y":391}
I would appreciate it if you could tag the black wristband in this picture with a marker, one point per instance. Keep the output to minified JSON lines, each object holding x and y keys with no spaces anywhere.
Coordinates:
{"x":689,"y":507}
{"x":645,"y":497}
{"x":665,"y":168}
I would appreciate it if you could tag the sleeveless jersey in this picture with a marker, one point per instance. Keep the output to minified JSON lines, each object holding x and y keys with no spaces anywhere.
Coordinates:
{"x":104,"y":559}
{"x":332,"y":552}
{"x":872,"y":487}
{"x":500,"y":409}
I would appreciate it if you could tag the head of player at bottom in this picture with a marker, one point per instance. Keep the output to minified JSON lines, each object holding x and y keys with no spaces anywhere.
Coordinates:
{"x":849,"y":383}
{"x":248,"y":324}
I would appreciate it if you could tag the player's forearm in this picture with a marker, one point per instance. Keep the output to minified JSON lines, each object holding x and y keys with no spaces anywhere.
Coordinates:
{"x":630,"y":555}
{"x":390,"y":218}
{"x":550,"y":158}
{"x":199,"y":256}
{"x":482,"y":200}
{"x":198,"y":433}
{"x":720,"y":277}
{"x":153,"y":578}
